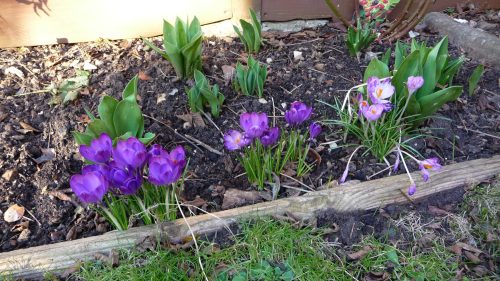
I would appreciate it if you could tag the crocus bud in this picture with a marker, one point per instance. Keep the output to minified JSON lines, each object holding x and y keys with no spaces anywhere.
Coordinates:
{"x":90,"y":187}
{"x":99,"y":150}
{"x":298,"y":113}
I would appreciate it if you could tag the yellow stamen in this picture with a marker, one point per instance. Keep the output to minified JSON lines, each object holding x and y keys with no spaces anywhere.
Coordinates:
{"x":379,"y":92}
{"x":427,"y":166}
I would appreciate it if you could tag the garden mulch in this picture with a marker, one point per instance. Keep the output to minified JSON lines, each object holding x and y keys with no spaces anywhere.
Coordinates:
{"x":38,"y":154}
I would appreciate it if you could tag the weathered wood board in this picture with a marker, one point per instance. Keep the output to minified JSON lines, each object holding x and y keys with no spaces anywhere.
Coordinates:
{"x":33,"y":262}
{"x":40,"y":22}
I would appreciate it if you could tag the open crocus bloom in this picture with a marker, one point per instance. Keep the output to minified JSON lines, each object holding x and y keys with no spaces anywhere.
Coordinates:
{"x":130,"y":153}
{"x":234,"y":140}
{"x":254,"y":124}
{"x":373,"y":112}
{"x":379,"y":91}
{"x":425,"y":165}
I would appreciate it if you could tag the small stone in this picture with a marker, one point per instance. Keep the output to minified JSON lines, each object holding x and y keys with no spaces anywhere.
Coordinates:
{"x":297,"y":56}
{"x":339,"y":66}
{"x":9,"y":175}
{"x":88,"y":66}
{"x":263,"y":100}
{"x":173,"y":92}
{"x":269,"y":60}
{"x":319,"y":66}
{"x":24,"y":236}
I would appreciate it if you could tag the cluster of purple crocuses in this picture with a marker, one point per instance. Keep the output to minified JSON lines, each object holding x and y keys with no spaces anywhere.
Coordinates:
{"x":120,"y":169}
{"x":380,"y":92}
{"x":256,"y":126}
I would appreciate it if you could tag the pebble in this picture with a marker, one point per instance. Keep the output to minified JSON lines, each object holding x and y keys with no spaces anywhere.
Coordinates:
{"x":9,"y":175}
{"x":297,"y":56}
{"x":319,"y":66}
{"x":24,"y":236}
{"x":269,"y":60}
{"x":339,"y":66}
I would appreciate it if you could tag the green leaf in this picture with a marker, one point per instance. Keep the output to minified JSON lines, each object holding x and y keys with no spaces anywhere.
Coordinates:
{"x":147,"y":138}
{"x":433,"y":65}
{"x":392,"y":256}
{"x":127,"y":118}
{"x":248,"y":34}
{"x":386,"y":57}
{"x":429,"y":104}
{"x":376,"y":68}
{"x":474,"y":79}
{"x":68,"y":89}
{"x":106,"y":111}
{"x":130,"y":91}
{"x":156,"y":49}
{"x":192,"y":55}
{"x":82,"y":138}
{"x":97,"y":127}
{"x":409,"y":67}
{"x":399,"y":54}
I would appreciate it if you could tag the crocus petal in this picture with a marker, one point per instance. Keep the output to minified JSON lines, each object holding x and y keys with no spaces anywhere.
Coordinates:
{"x":130,"y":153}
{"x":234,"y":140}
{"x":99,"y":150}
{"x":344,"y":175}
{"x":372,"y":84}
{"x":178,"y":156}
{"x":373,"y":112}
{"x":412,"y":189}
{"x":162,"y":171}
{"x":314,"y":130}
{"x":254,"y":124}
{"x":298,"y":113}
{"x":396,"y":164}
{"x":414,"y":83}
{"x":382,"y":92}
{"x":157,"y":150}
{"x":90,"y":187}
{"x":270,"y":136}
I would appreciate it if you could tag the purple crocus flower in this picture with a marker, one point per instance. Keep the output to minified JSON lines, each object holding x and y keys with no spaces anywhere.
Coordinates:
{"x":104,"y":169}
{"x":373,"y":112}
{"x":99,"y":150}
{"x":254,"y":124}
{"x":314,"y":130}
{"x":363,"y":104}
{"x":379,"y":91}
{"x":270,"y":136}
{"x":298,"y":113}
{"x":344,"y":174}
{"x":234,"y":140}
{"x":425,"y":165}
{"x":178,"y":157}
{"x":162,"y":171}
{"x":125,"y":180}
{"x":130,"y":153}
{"x":414,"y":83}
{"x":412,"y":189}
{"x":90,"y":187}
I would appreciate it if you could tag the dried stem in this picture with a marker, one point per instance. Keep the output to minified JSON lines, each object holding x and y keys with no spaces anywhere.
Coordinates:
{"x":337,"y":13}
{"x":420,"y":13}
{"x":397,"y":21}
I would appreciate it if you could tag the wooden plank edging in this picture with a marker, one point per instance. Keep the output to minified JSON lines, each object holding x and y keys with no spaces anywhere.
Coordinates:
{"x":34,"y":262}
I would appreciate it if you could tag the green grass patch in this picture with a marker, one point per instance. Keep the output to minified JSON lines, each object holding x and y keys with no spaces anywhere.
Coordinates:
{"x":270,"y":250}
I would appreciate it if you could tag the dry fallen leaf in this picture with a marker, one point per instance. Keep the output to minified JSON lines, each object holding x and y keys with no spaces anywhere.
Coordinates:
{"x":13,"y":213}
{"x":143,"y":76}
{"x":60,"y":195}
{"x":228,"y":72}
{"x":359,"y":254}
{"x":27,"y":127}
{"x":194,"y":119}
{"x":234,"y":197}
{"x":47,"y":155}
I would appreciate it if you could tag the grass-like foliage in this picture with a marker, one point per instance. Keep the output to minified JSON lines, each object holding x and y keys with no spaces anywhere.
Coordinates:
{"x":118,"y":119}
{"x":203,"y":95}
{"x":182,"y":43}
{"x":270,"y":250}
{"x":251,"y":33}
{"x":268,"y":151}
{"x":250,"y":80}
{"x":359,"y":38}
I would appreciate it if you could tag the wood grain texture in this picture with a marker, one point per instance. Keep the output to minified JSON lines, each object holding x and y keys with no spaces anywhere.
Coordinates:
{"x":33,"y":262}
{"x":40,"y":22}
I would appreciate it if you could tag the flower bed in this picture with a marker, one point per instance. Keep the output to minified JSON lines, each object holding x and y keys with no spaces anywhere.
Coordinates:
{"x":39,"y":151}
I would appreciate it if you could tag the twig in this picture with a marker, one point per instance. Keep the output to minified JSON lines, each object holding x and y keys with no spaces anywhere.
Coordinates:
{"x":175,"y":131}
{"x":192,"y":235}
{"x":39,"y":224}
{"x":206,"y":146}
{"x":479,"y":132}
{"x":297,"y":181}
{"x":211,"y":121}
{"x":337,"y":14}
{"x":295,"y":188}
{"x":304,"y":42}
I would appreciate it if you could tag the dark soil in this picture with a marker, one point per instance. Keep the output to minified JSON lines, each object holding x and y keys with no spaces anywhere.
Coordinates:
{"x":325,"y":72}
